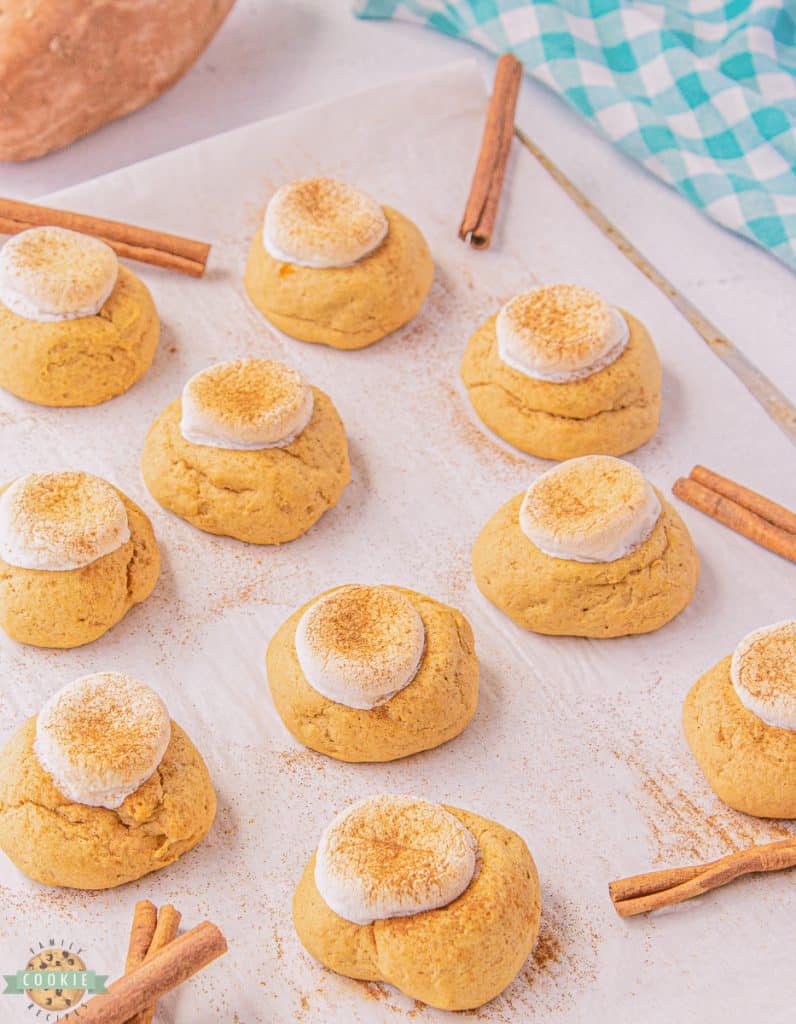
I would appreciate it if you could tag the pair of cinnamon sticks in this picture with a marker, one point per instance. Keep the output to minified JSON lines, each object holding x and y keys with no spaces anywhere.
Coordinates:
{"x":157,"y":248}
{"x":743,"y":510}
{"x":157,"y":962}
{"x":657,"y":889}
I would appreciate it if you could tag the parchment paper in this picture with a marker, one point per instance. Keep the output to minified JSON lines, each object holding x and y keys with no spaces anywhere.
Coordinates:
{"x":576,"y":744}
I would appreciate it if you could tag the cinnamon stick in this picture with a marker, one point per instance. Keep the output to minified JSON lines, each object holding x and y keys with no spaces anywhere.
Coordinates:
{"x":757,"y":503}
{"x":654,"y":890}
{"x":480,"y":213}
{"x":168,"y":923}
{"x":141,"y":932}
{"x":155,"y":977}
{"x":738,"y":518}
{"x":157,"y":248}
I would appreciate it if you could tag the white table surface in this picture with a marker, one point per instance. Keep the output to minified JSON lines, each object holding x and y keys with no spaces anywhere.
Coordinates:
{"x":275,"y":55}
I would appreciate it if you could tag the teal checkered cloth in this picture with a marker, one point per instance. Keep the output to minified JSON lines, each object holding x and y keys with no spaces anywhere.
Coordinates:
{"x":702,"y":92}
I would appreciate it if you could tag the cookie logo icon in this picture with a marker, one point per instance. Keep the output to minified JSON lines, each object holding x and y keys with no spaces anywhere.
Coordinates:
{"x":55,"y":981}
{"x":55,"y":999}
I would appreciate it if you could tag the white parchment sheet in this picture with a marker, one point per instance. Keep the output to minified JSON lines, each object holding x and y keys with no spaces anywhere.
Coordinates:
{"x":576,"y":744}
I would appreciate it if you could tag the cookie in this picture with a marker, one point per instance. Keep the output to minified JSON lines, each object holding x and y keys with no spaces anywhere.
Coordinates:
{"x":740,"y":722}
{"x":250,"y":451}
{"x":76,"y":328}
{"x":373,"y":673}
{"x":591,"y":549}
{"x":334,"y":267}
{"x":76,"y":554}
{"x":558,"y":374}
{"x":462,"y":893}
{"x":101,"y":788}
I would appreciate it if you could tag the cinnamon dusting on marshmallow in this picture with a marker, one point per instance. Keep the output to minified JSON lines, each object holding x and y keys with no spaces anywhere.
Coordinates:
{"x":360,"y":645}
{"x":320,"y":222}
{"x":60,"y":521}
{"x":393,"y":856}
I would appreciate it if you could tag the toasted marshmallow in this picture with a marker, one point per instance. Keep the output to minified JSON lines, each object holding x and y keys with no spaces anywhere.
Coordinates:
{"x":320,"y":222}
{"x":592,"y":509}
{"x":50,"y":274}
{"x":393,"y":856}
{"x":246,"y":405}
{"x":359,"y":646}
{"x":763,"y":672}
{"x":60,"y":521}
{"x":560,"y":333}
{"x":101,"y":737}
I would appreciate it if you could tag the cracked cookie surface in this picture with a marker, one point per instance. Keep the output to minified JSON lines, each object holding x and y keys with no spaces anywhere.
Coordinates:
{"x":436,"y":706}
{"x":84,"y":361}
{"x":266,"y":496}
{"x":58,"y":842}
{"x":71,"y":607}
{"x":748,"y":764}
{"x":345,"y":307}
{"x":635,"y":594}
{"x":456,"y":957}
{"x":610,"y":412}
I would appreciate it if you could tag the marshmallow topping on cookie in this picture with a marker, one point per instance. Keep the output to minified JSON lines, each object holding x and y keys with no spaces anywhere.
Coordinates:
{"x":246,"y":404}
{"x":60,"y":521}
{"x":763,"y":673}
{"x":560,"y":333}
{"x":51,"y":274}
{"x":393,"y":856}
{"x":101,"y":737}
{"x":360,"y":645}
{"x":592,"y":509}
{"x":320,"y":222}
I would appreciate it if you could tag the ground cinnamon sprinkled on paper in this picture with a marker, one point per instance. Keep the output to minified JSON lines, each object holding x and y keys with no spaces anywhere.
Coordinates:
{"x":682,"y":830}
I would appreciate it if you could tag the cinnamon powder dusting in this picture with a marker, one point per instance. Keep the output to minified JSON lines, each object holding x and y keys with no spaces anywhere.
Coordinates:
{"x":248,"y":392}
{"x":64,"y":269}
{"x":320,"y":218}
{"x":71,"y":516}
{"x":400,"y":849}
{"x":563,"y":320}
{"x":682,"y":830}
{"x":108,"y":720}
{"x":363,"y":624}
{"x":767,"y":666}
{"x":581,"y":495}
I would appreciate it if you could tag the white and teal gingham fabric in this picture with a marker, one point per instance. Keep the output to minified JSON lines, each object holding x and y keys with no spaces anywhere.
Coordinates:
{"x":702,"y":92}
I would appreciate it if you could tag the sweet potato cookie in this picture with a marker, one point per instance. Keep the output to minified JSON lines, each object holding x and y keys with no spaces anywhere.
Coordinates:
{"x":83,"y":361}
{"x":611,"y":411}
{"x":67,"y":608}
{"x":454,"y":957}
{"x":264,"y":496}
{"x":434,"y":707}
{"x":591,"y":595}
{"x":749,"y":763}
{"x":56,"y":841}
{"x":345,"y":300}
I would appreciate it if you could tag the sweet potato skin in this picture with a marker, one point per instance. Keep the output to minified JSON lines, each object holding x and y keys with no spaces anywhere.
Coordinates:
{"x":67,"y":67}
